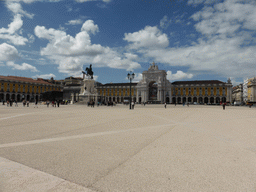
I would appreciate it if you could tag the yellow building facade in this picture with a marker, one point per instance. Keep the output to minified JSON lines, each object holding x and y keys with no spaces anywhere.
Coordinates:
{"x":20,"y":88}
{"x":116,"y":92}
{"x":207,"y":91}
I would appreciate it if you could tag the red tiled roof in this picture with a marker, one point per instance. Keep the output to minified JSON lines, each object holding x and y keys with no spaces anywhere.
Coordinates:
{"x":24,"y":79}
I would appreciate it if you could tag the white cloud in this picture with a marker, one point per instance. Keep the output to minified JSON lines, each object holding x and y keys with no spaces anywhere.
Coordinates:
{"x":226,"y":45}
{"x":70,"y":53}
{"x":149,"y":37}
{"x":22,"y":67}
{"x":74,"y":22}
{"x":89,"y":26}
{"x":131,"y":56}
{"x":8,"y":52}
{"x":165,"y":22}
{"x":138,"y":77}
{"x":82,"y":1}
{"x":196,"y":2}
{"x":11,"y":33}
{"x":31,"y":38}
{"x":45,"y":76}
{"x":178,"y":75}
{"x":16,"y":8}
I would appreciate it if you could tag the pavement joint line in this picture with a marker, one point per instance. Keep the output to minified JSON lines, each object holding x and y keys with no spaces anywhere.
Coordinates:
{"x":14,"y":116}
{"x":7,"y":166}
{"x":74,"y":137}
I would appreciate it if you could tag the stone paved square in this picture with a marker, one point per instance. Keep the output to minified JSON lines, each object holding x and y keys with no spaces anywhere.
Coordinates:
{"x":150,"y":148}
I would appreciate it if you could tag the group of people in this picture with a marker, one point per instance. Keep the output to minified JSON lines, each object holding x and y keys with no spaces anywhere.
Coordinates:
{"x":9,"y":103}
{"x":54,"y":103}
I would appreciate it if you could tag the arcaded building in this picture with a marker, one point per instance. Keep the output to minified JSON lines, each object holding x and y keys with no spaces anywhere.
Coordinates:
{"x":156,"y":88}
{"x":204,"y":91}
{"x":19,"y":88}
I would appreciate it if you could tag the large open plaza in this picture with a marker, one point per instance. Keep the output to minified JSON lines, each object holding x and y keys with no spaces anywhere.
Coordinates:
{"x":114,"y":149}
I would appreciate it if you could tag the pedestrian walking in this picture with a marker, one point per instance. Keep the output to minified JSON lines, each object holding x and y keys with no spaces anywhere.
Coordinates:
{"x":165,"y":105}
{"x":47,"y":103}
{"x":224,"y":104}
{"x":36,"y":104}
{"x":58,"y":103}
{"x":24,"y":102}
{"x":132,"y":105}
{"x":16,"y":103}
{"x":55,"y":103}
{"x":188,"y":104}
{"x":28,"y":103}
{"x":3,"y":102}
{"x":8,"y":103}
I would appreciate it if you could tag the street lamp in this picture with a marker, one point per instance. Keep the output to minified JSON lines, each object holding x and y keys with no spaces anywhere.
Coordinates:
{"x":130,"y":76}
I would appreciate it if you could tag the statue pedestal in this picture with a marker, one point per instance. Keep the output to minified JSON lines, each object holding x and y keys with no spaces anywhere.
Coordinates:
{"x":88,"y":92}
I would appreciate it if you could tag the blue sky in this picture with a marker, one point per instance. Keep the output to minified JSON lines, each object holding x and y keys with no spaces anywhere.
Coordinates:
{"x":190,"y":39}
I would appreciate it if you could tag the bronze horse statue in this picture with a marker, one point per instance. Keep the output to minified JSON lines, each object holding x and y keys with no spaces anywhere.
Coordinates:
{"x":89,"y":71}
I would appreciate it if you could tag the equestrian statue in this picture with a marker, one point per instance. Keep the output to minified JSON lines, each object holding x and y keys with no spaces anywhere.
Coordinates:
{"x":89,"y":71}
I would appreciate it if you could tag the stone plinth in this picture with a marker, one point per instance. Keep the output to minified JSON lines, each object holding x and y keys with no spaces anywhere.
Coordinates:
{"x":88,"y":91}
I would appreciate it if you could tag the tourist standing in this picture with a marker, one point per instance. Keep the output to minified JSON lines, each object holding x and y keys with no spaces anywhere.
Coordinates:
{"x":16,"y":103}
{"x":58,"y":103}
{"x":7,"y":103}
{"x":24,"y":102}
{"x":224,"y":104}
{"x":3,"y":102}
{"x":47,"y":103}
{"x":132,"y":105}
{"x":165,"y":105}
{"x":28,"y":103}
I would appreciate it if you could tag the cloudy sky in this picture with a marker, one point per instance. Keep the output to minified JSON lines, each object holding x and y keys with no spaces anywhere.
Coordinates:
{"x":190,"y":39}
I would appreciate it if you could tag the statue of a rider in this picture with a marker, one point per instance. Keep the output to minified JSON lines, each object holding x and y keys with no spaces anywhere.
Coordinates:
{"x":89,"y":71}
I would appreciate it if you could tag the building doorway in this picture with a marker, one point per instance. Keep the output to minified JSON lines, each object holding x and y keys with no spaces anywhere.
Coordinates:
{"x":1,"y":96}
{"x":217,"y":100}
{"x":18,"y":98}
{"x":7,"y":97}
{"x":206,"y":100}
{"x":152,"y":91}
{"x":211,"y":100}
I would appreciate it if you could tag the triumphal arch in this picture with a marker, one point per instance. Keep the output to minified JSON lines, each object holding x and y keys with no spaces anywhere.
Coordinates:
{"x":154,"y":86}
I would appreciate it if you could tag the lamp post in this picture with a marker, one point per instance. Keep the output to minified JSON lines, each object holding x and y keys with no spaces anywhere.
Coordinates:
{"x":130,"y":76}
